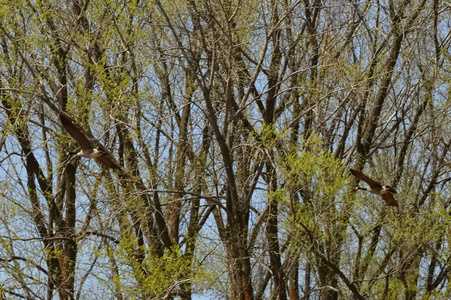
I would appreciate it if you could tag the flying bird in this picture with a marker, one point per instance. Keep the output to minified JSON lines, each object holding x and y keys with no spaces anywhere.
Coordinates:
{"x":385,"y":191}
{"x":87,"y":149}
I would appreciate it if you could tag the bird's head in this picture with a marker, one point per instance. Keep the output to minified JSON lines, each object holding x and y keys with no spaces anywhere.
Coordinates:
{"x":389,"y":188}
{"x":98,"y":151}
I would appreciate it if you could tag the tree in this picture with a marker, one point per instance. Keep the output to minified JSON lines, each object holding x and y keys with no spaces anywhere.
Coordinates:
{"x":234,"y":124}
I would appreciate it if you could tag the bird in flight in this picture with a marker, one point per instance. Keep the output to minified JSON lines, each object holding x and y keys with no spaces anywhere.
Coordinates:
{"x":385,"y":191}
{"x":87,"y":150}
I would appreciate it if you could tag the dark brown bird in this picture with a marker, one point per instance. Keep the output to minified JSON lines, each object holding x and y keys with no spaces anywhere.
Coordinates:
{"x":385,"y":191}
{"x":87,"y":150}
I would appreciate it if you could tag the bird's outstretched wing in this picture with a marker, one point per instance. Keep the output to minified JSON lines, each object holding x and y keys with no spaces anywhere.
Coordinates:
{"x":365,"y":178}
{"x":389,"y":199}
{"x":108,"y":162}
{"x":75,"y":132}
